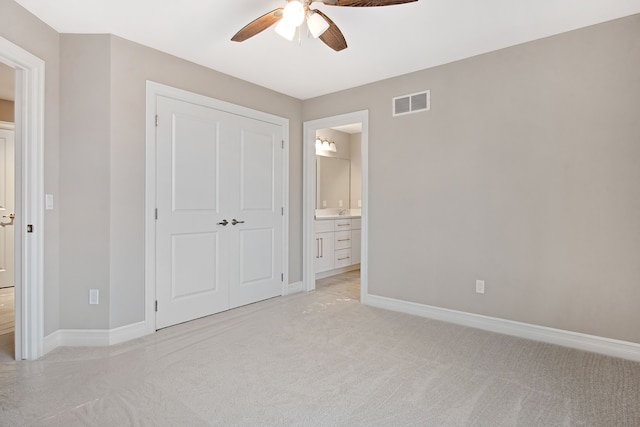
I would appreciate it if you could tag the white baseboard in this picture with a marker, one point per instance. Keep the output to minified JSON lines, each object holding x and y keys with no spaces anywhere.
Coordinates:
{"x":592,"y":343}
{"x":93,"y":337}
{"x":293,"y":288}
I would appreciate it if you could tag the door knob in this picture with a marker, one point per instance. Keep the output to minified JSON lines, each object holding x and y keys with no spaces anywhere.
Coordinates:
{"x":234,"y":221}
{"x":224,"y":222}
{"x":11,"y":217}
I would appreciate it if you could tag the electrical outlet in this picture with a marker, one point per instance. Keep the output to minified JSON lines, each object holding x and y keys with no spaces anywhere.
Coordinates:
{"x":94,"y":296}
{"x":480,"y":286}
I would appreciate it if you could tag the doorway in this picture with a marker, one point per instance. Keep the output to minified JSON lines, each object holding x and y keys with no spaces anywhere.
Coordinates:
{"x":337,"y":222}
{"x":28,"y":221}
{"x":7,"y":212}
{"x":352,"y":214}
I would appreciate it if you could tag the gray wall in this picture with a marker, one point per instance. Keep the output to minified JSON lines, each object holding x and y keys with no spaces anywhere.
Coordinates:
{"x":85,"y":170}
{"x":524,"y":174}
{"x":23,"y":29}
{"x":356,"y":169}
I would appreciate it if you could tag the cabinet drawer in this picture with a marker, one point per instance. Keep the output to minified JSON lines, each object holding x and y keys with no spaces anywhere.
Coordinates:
{"x":341,"y":224}
{"x":356,"y":223}
{"x":342,"y":239}
{"x":323,"y":226}
{"x":343,"y":258}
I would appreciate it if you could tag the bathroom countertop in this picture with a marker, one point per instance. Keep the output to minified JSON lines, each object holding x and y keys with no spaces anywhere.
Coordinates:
{"x":335,"y":216}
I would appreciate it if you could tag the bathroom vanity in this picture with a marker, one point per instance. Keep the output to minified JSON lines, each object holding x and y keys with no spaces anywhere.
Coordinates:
{"x":337,"y":244}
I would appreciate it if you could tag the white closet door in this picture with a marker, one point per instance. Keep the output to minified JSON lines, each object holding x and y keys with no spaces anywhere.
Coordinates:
{"x":256,"y":245}
{"x":215,"y":167}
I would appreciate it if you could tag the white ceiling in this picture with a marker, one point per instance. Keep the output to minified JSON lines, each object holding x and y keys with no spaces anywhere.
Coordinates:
{"x":383,"y":41}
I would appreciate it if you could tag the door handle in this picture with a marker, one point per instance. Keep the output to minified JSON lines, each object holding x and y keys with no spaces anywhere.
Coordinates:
{"x":11,"y":217}
{"x":234,"y":222}
{"x":224,"y":222}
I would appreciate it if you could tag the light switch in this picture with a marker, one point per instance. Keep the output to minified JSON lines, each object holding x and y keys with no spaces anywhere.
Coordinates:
{"x":48,"y":202}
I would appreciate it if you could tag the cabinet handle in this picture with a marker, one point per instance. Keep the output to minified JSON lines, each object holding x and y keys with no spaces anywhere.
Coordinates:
{"x":342,"y":259}
{"x":343,"y":225}
{"x":322,"y":247}
{"x":317,"y":248}
{"x":343,"y":240}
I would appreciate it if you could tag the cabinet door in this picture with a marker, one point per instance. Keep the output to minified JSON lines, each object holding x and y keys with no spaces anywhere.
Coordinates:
{"x":355,"y":246}
{"x":324,"y":252}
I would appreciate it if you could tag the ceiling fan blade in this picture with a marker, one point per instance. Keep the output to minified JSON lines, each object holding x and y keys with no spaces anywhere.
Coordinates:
{"x":365,"y":3}
{"x":333,"y":36}
{"x":258,"y":25}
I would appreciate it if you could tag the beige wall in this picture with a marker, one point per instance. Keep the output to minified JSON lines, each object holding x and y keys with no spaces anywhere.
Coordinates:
{"x":6,"y":111}
{"x":23,"y":29}
{"x":524,"y":174}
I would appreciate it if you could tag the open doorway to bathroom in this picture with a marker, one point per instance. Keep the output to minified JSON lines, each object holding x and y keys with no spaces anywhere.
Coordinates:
{"x":338,"y":213}
{"x":7,"y":212}
{"x":335,"y":215}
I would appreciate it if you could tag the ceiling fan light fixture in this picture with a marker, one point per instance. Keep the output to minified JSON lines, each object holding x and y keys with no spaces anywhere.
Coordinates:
{"x":316,"y":24}
{"x":286,"y":30}
{"x":293,"y":13}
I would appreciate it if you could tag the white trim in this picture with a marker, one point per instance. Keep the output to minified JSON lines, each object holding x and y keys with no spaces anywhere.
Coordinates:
{"x":93,"y":337}
{"x":592,"y":343}
{"x":293,"y":288}
{"x":153,"y":91}
{"x":29,"y":136}
{"x":309,"y":191}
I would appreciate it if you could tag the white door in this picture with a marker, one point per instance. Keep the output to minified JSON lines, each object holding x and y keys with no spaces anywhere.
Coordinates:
{"x":7,"y":189}
{"x":219,"y":228}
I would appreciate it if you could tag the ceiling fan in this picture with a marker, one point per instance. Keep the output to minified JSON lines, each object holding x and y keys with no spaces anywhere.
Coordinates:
{"x":296,"y":12}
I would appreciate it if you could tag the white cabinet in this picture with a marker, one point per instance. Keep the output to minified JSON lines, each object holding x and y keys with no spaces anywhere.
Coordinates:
{"x":324,"y":251}
{"x":356,"y":238}
{"x":337,"y":243}
{"x":355,"y":246}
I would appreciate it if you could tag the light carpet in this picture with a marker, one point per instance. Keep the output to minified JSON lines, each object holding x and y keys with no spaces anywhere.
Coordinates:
{"x":320,"y":359}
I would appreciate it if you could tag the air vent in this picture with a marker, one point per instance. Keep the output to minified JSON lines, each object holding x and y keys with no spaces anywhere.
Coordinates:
{"x":412,"y":103}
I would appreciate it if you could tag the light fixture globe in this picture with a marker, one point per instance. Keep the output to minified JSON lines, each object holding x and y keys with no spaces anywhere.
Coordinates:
{"x":286,"y":30}
{"x":316,"y":24}
{"x":293,"y":13}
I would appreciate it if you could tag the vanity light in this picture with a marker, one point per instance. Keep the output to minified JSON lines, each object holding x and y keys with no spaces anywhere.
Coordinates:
{"x":323,"y":144}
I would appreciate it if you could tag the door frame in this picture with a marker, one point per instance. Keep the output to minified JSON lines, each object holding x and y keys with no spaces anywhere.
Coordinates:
{"x":154,"y":90}
{"x":29,"y":195}
{"x":309,"y":190}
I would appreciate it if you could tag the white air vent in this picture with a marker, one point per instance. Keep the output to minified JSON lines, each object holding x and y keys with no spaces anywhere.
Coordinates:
{"x":412,"y":103}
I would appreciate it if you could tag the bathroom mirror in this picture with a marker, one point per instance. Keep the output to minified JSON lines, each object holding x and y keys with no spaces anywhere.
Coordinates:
{"x":332,"y":182}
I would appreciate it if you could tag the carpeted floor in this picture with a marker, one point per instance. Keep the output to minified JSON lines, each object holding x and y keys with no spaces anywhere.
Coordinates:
{"x":320,"y":359}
